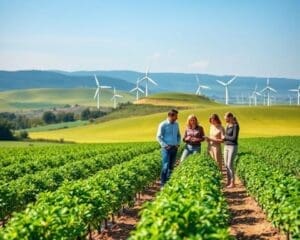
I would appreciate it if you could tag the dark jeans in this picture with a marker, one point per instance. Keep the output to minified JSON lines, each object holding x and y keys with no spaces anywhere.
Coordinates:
{"x":168,"y":162}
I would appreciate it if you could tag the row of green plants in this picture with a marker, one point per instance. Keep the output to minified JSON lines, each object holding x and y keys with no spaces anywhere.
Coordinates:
{"x":15,"y":195}
{"x":281,"y":152}
{"x":46,"y":161}
{"x":276,"y":192}
{"x":13,"y":155}
{"x":80,"y":207}
{"x":190,"y":206}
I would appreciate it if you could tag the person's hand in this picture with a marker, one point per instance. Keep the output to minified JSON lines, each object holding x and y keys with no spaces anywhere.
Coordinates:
{"x":188,"y":138}
{"x":223,"y":137}
{"x":167,"y":147}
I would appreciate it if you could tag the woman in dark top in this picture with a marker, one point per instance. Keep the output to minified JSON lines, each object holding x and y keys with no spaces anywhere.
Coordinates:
{"x":193,"y":136}
{"x":231,"y":146}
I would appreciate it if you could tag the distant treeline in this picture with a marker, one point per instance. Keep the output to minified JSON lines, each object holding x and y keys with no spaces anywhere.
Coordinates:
{"x":10,"y":122}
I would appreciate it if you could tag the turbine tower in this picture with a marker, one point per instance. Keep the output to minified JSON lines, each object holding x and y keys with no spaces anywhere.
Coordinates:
{"x":268,"y":90}
{"x":137,"y":89}
{"x":255,"y":93}
{"x":226,"y":84}
{"x":290,"y":99}
{"x":115,"y":97}
{"x":298,"y":93}
{"x":198,"y":92}
{"x":98,"y":90}
{"x":147,"y":80}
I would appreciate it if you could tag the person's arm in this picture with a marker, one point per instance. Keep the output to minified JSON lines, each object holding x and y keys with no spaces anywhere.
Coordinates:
{"x":184,"y":136}
{"x":178,"y":136}
{"x":218,"y":140}
{"x":234,"y":134}
{"x":159,"y":136}
{"x":202,"y":134}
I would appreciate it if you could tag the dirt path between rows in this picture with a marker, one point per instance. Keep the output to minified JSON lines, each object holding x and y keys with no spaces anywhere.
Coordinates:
{"x":248,"y":221}
{"x":128,"y":220}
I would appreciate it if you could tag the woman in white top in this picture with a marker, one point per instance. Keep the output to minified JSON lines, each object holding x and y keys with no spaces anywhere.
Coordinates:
{"x":216,"y":135}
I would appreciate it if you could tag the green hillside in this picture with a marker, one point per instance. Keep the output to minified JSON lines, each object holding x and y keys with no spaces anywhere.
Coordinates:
{"x":178,"y":99}
{"x":254,"y":121}
{"x":50,"y":97}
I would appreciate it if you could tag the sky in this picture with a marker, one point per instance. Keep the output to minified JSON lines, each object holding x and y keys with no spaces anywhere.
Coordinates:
{"x":248,"y":38}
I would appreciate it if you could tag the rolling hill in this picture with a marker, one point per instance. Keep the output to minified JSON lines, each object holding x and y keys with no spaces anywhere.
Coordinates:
{"x":28,"y":79}
{"x":179,"y":100}
{"x":125,"y":80}
{"x":52,"y":97}
{"x":254,"y":121}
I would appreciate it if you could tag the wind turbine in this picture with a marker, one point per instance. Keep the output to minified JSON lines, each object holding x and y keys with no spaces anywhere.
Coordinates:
{"x":255,"y":93}
{"x":115,"y":97}
{"x":226,"y":84}
{"x":290,"y":99}
{"x":147,"y":80}
{"x":268,"y":89}
{"x":198,"y":92}
{"x":298,"y":93}
{"x":97,"y":93}
{"x":137,"y":89}
{"x":250,"y":99}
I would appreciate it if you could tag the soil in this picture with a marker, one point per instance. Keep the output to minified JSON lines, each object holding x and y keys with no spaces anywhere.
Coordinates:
{"x":129,"y":218}
{"x":248,"y":221}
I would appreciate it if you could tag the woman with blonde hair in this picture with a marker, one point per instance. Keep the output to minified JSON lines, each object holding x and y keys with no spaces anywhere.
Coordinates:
{"x":216,"y":134}
{"x":230,"y":146}
{"x":193,"y":136}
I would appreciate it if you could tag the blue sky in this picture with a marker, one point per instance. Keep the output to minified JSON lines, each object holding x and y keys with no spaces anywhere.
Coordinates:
{"x":257,"y":38}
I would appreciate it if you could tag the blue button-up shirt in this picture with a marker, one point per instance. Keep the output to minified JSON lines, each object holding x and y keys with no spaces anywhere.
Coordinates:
{"x":168,"y":134}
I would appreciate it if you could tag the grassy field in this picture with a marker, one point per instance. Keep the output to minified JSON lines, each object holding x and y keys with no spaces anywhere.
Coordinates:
{"x":179,"y":100}
{"x":254,"y":121}
{"x":56,"y":126}
{"x":48,"y":98}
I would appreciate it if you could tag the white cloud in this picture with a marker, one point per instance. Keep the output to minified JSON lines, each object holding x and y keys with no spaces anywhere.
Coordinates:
{"x":200,"y":65}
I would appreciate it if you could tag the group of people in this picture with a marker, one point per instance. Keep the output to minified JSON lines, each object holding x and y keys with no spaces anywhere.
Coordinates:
{"x":169,"y":137}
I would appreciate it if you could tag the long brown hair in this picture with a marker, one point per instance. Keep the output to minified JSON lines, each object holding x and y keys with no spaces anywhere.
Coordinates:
{"x":216,"y":118}
{"x":230,"y":115}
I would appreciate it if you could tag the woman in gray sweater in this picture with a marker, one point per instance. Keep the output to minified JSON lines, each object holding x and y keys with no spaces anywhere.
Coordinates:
{"x":230,"y":139}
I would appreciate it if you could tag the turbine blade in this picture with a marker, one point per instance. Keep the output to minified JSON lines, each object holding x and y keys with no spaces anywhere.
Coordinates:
{"x":205,"y":87}
{"x":142,"y":79}
{"x":105,"y":87}
{"x":294,"y":90}
{"x":272,"y":89}
{"x":141,"y":90}
{"x":152,"y":81}
{"x":264,"y":89}
{"x":222,"y":83}
{"x":96,"y":79}
{"x":231,"y":80}
{"x":119,"y":96}
{"x":197,"y":79}
{"x":96,"y":93}
{"x":134,"y":89}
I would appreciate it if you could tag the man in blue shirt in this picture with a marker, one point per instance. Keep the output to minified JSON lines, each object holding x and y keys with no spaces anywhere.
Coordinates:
{"x":168,"y":136}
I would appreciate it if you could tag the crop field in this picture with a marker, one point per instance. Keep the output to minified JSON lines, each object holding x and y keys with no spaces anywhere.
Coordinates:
{"x":70,"y":191}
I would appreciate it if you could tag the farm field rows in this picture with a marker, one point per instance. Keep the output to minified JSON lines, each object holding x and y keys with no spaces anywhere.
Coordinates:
{"x":270,"y":170}
{"x":94,"y":181}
